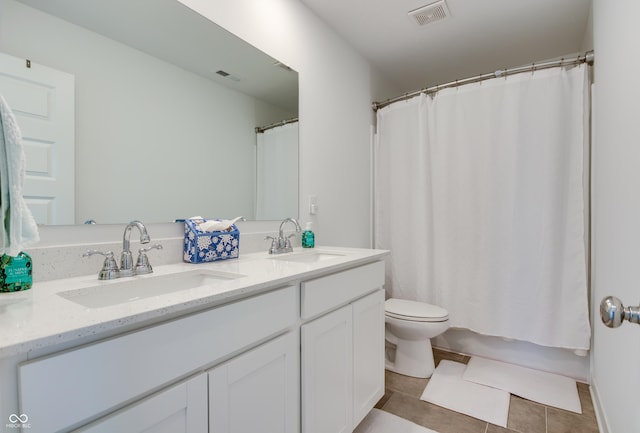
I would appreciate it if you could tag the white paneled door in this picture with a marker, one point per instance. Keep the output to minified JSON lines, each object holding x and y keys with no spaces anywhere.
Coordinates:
{"x":257,"y":391}
{"x":327,"y":373}
{"x":368,"y":354}
{"x":43,"y":102}
{"x":179,"y":409}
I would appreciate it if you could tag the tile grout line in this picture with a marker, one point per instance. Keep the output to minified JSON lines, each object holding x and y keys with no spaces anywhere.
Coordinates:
{"x":546,"y":420}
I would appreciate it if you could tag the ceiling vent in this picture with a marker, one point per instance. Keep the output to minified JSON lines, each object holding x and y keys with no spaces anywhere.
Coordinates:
{"x":430,"y":13}
{"x":225,"y":74}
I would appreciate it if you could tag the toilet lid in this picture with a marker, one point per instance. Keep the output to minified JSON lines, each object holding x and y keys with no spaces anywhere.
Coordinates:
{"x":414,"y":310}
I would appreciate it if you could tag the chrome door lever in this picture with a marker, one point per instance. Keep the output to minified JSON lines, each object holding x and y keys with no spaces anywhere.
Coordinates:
{"x":613,"y":313}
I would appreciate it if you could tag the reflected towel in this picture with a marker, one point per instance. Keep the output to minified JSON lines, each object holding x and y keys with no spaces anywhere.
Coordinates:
{"x":18,"y":228}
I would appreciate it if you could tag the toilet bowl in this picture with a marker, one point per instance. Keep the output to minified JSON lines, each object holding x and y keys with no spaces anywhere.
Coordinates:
{"x":409,"y":327}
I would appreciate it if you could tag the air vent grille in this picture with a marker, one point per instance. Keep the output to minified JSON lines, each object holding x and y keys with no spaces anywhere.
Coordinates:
{"x":225,"y":74}
{"x":431,"y":13}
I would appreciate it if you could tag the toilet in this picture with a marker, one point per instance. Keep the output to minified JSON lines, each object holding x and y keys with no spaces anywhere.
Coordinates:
{"x":409,"y":327}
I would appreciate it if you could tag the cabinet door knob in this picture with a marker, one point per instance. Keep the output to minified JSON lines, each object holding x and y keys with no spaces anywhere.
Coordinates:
{"x":613,"y":313}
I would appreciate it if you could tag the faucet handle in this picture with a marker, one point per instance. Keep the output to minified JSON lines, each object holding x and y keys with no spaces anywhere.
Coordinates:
{"x":109,"y":269}
{"x":152,"y":247}
{"x":142,"y":264}
{"x":287,"y":243}
{"x":273,"y":249}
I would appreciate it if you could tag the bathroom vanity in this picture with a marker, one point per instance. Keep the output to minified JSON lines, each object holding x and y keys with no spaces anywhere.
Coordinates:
{"x":284,"y":343}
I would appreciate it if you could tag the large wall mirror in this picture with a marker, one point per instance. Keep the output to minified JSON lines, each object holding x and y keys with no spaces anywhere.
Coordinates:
{"x":165,"y":106}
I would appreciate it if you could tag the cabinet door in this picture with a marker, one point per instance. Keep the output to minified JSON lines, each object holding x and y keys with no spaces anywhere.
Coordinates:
{"x":327,"y":399}
{"x":368,"y":354}
{"x":181,"y":408}
{"x":257,"y":391}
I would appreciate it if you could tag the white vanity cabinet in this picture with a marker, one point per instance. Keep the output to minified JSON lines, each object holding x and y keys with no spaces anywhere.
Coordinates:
{"x":257,"y":391}
{"x":368,"y":354}
{"x":327,"y":359}
{"x":300,"y":354}
{"x":342,"y":358}
{"x":69,"y":389}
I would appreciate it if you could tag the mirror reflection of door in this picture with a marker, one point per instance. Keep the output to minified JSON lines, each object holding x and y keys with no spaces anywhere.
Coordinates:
{"x":42,"y":100}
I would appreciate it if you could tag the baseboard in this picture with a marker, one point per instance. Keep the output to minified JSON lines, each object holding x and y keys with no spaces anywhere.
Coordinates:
{"x":603,"y":426}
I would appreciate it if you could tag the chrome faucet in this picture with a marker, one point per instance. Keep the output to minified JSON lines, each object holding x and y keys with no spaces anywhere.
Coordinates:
{"x":282,"y":244}
{"x":126,"y":260}
{"x":110,"y":268}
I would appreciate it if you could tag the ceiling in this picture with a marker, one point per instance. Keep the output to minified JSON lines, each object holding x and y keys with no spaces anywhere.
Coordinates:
{"x":163,"y":34}
{"x":478,"y":36}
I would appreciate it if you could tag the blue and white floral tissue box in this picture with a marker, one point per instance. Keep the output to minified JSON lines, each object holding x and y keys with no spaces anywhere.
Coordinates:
{"x":202,"y":246}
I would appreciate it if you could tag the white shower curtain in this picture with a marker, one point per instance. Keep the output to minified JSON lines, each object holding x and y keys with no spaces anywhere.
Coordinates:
{"x":277,"y":172}
{"x":479,"y":196}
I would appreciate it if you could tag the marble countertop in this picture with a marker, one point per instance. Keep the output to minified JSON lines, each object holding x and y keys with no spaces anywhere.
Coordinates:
{"x":40,"y":317}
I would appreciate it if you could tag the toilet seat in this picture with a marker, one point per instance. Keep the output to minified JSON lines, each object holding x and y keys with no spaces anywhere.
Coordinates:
{"x":414,"y":311}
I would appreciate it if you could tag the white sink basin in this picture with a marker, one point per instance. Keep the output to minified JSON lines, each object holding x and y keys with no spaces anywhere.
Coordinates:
{"x":107,"y":293}
{"x":306,"y":257}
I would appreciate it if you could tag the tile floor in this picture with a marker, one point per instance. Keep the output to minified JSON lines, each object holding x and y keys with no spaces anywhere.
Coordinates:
{"x":402,"y":398}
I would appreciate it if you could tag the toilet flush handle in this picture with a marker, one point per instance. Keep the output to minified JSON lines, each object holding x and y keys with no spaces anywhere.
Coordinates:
{"x":613,"y":313}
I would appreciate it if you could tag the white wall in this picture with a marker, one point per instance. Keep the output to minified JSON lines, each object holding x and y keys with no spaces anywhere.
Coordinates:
{"x":136,"y":116}
{"x":616,"y":210}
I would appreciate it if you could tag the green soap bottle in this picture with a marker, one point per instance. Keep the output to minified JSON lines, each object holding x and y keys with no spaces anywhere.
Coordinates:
{"x":308,"y":237}
{"x":15,"y":273}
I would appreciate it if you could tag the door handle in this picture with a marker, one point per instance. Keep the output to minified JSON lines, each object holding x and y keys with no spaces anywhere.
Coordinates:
{"x":613,"y":313}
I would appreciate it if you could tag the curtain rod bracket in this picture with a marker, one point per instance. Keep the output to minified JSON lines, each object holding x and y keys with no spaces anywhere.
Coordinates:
{"x":589,"y":57}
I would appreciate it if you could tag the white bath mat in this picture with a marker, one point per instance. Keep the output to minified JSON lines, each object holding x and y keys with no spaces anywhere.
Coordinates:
{"x":546,"y":388}
{"x":448,"y":389}
{"x":379,"y":421}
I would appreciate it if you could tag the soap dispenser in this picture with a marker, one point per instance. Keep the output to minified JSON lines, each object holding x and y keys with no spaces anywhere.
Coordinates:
{"x":16,"y":272}
{"x":308,"y":237}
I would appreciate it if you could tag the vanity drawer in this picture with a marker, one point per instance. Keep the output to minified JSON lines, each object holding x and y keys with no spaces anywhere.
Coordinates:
{"x":327,"y":293}
{"x":72,"y":387}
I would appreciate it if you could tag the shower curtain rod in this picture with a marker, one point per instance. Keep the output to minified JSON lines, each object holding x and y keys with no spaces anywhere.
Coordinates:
{"x":588,"y":58}
{"x":260,"y":129}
